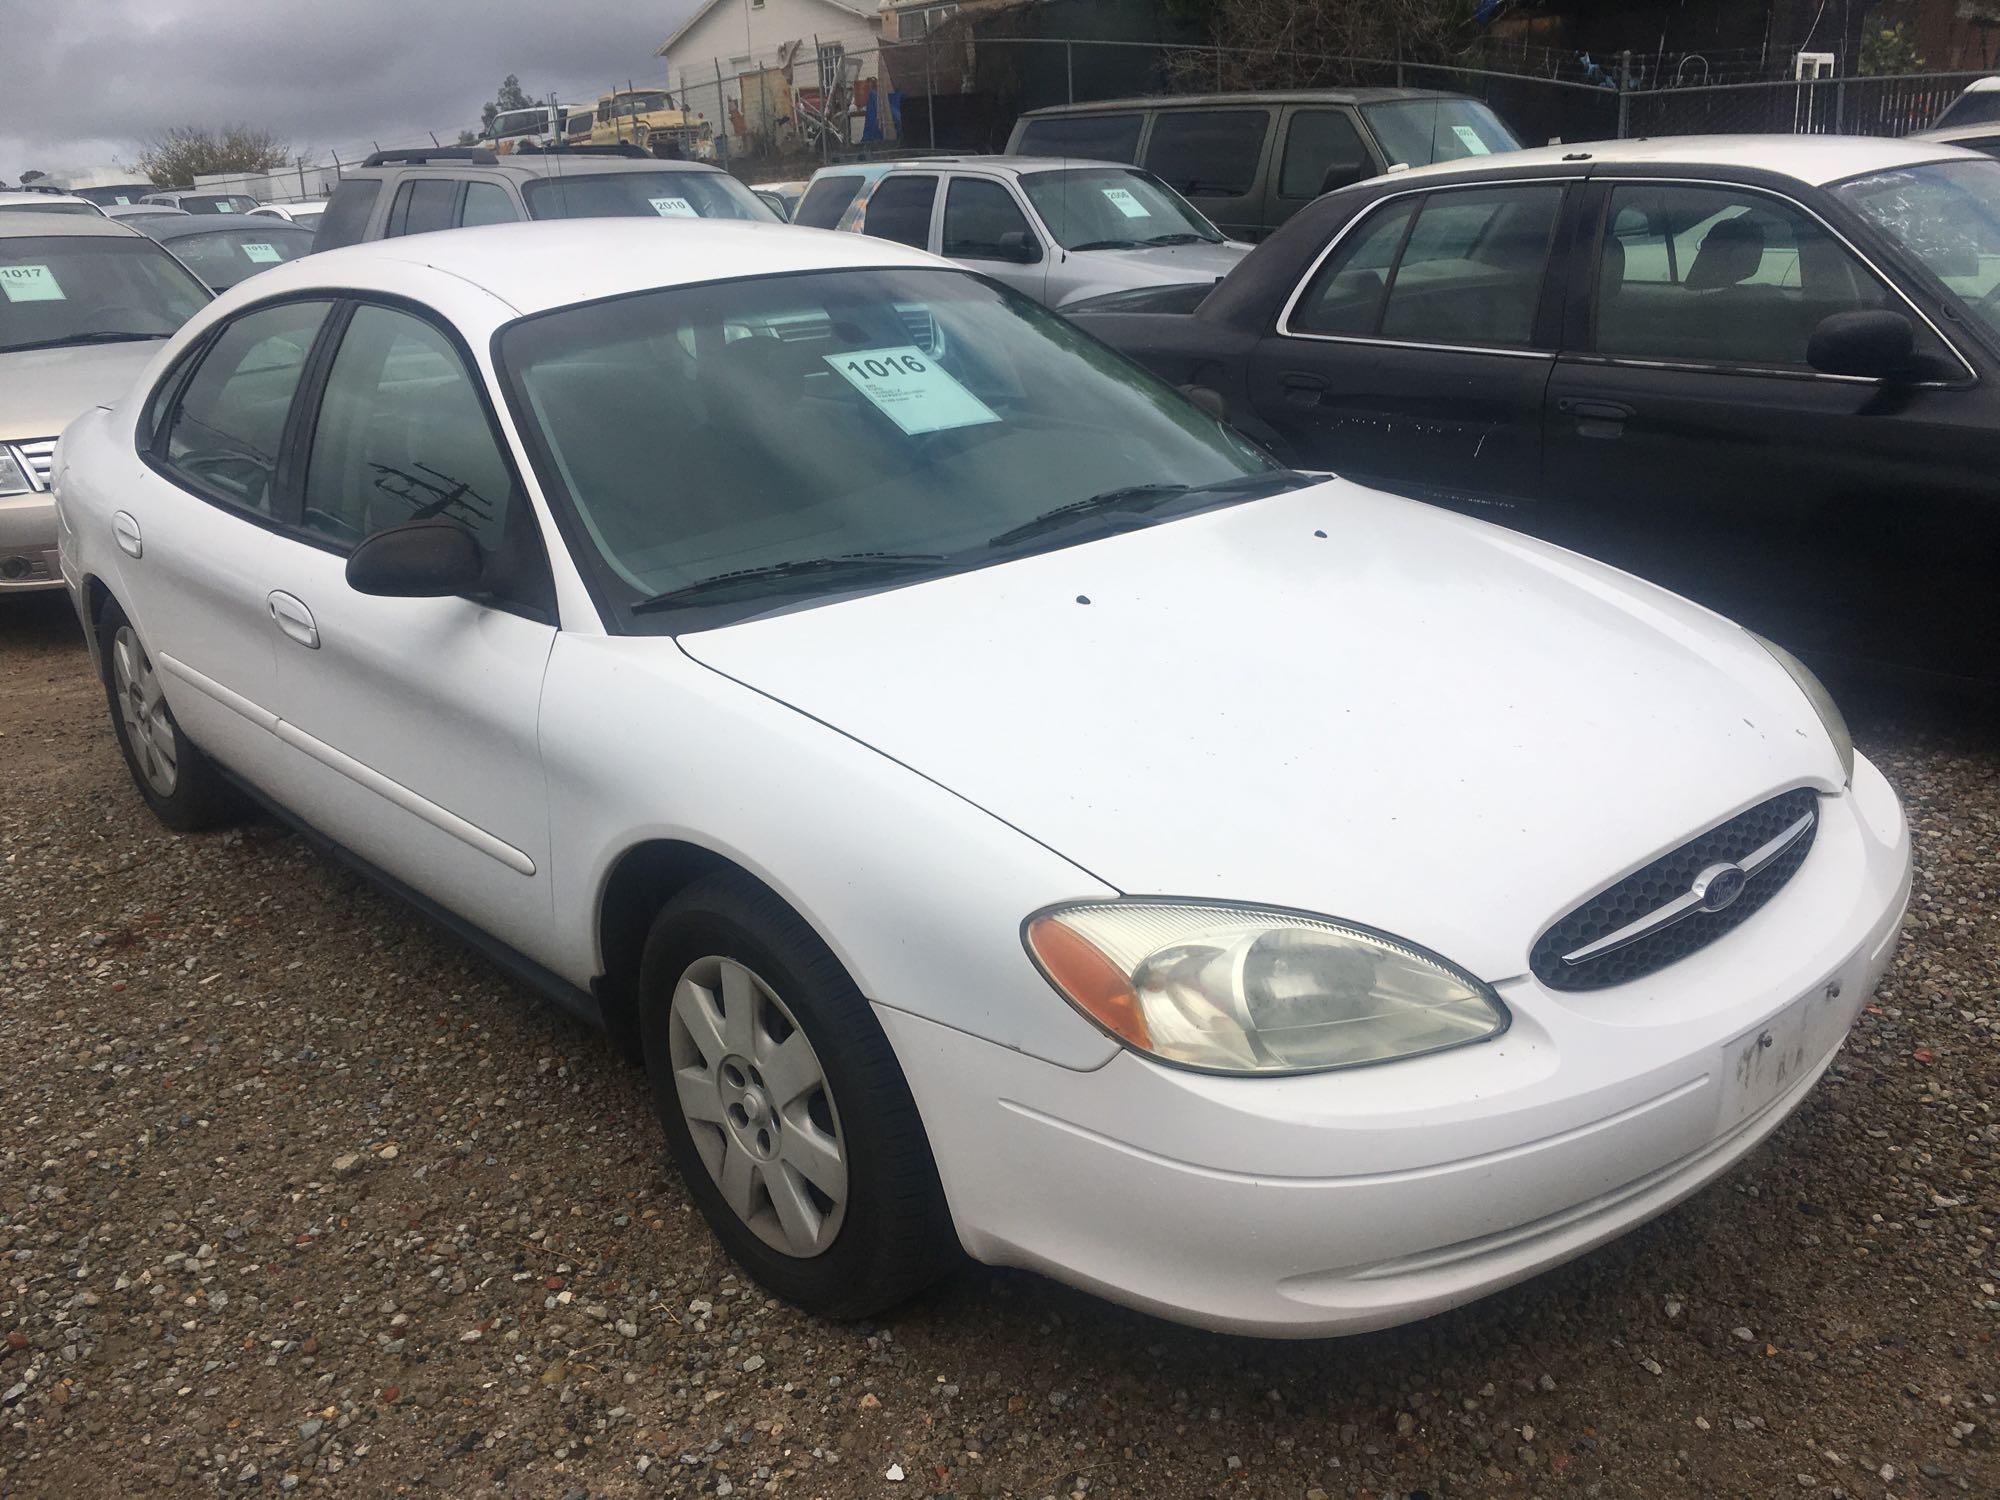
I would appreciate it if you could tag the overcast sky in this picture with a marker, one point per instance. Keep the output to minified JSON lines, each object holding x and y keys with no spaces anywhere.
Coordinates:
{"x":88,"y":81}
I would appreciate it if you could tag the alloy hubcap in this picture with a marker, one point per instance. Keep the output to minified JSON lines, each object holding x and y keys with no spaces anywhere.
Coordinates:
{"x":757,"y":1104}
{"x":149,"y":730}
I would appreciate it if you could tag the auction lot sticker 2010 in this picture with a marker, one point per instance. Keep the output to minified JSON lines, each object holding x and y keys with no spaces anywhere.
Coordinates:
{"x":910,"y":390}
{"x":31,"y":284}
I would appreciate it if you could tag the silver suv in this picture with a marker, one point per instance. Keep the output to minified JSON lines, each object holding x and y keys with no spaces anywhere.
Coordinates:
{"x":411,"y":192}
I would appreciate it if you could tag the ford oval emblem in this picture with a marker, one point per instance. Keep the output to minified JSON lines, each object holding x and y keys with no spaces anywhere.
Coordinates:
{"x":1718,"y":886}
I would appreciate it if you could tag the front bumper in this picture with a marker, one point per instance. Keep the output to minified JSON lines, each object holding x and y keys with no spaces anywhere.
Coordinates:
{"x":28,"y":542}
{"x":1342,"y":1202}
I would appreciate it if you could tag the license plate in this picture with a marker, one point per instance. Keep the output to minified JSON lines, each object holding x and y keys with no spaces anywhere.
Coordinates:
{"x":1769,"y":1060}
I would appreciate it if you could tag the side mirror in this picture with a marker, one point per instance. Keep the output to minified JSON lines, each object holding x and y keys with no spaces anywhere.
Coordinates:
{"x":417,"y":560}
{"x":1875,"y":345}
{"x":1016,"y":245}
{"x":1342,"y":174}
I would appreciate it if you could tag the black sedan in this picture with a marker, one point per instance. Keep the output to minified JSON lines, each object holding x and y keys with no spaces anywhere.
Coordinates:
{"x":223,"y":251}
{"x":1763,"y":371}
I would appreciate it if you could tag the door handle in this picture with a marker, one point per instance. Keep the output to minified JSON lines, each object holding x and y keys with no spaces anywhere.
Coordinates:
{"x":294,"y":619}
{"x":1302,"y":389}
{"x":1597,"y":419}
{"x":125,"y":527}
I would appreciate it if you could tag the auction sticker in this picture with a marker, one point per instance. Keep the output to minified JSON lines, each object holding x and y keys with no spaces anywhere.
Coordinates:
{"x":674,"y":208}
{"x":1125,"y":203}
{"x":225,"y":208}
{"x":31,"y":284}
{"x":911,"y":391}
{"x":1469,"y":138}
{"x":266,"y":254}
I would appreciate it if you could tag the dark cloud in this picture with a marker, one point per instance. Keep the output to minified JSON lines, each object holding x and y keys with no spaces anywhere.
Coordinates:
{"x":88,"y":81}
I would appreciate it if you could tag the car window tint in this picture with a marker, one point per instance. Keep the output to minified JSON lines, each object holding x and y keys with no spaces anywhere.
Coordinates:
{"x":1093,"y":137}
{"x":826,"y":200}
{"x":1345,"y":294}
{"x":900,"y":210}
{"x":224,"y":433}
{"x":1471,"y":270}
{"x":422,"y":204}
{"x":487,"y":203}
{"x":402,"y":435}
{"x":345,"y":221}
{"x":1720,"y":275}
{"x":1208,"y":153}
{"x":1323,"y":151}
{"x":977,"y":216}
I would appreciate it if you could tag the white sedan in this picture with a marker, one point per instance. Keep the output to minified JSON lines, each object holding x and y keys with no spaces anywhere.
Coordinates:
{"x":1002,"y":808}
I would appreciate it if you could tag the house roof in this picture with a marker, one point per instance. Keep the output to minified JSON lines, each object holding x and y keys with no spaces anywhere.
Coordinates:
{"x":865,"y":13}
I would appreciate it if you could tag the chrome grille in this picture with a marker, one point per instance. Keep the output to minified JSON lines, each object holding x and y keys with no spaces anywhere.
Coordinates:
{"x":1574,"y":954}
{"x":40,"y":457}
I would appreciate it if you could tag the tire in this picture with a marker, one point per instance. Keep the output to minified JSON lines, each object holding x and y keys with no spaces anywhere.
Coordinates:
{"x":841,"y":1244}
{"x":181,"y":785}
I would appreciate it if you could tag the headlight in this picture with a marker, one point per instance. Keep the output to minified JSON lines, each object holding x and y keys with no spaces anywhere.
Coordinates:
{"x":13,"y":477}
{"x":1242,"y":990}
{"x":1822,"y":702}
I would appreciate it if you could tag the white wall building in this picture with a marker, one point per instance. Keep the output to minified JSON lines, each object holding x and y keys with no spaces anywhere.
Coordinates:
{"x":738,"y":36}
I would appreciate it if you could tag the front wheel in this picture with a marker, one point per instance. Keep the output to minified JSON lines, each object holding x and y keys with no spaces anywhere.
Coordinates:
{"x":784,"y":1106}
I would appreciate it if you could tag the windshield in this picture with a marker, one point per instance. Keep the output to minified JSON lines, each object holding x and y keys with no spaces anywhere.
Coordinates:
{"x":669,"y":194}
{"x":1114,"y":208}
{"x":77,"y":289}
{"x":223,"y":257}
{"x":50,"y":206}
{"x":107,"y":197}
{"x":1418,"y":132}
{"x":635,"y":104}
{"x":519,"y":122}
{"x":747,"y":425}
{"x":1947,"y":215}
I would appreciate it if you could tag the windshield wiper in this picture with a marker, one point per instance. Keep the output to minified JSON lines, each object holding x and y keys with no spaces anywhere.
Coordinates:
{"x":100,"y":337}
{"x":1139,"y":499}
{"x":1177,"y":239}
{"x":846,"y":564}
{"x":1107,"y":245}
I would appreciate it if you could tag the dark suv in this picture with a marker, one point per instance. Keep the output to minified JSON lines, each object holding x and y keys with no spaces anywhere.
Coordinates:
{"x":411,"y":192}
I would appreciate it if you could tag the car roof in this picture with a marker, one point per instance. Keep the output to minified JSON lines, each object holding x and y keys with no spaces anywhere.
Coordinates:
{"x":30,"y":225}
{"x":1017,"y":165}
{"x":542,"y":264}
{"x":1261,"y":97}
{"x":1952,"y":134}
{"x":1812,"y":159}
{"x":28,"y":195}
{"x":538,"y":164}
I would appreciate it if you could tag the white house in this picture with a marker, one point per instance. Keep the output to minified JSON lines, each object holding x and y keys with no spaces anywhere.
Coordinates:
{"x":732,"y":37}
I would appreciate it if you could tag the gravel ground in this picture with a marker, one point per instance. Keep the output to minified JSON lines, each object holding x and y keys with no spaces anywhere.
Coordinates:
{"x":297,"y":1194}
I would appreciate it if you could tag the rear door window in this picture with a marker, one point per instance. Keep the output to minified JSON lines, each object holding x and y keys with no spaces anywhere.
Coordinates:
{"x":1208,"y":153}
{"x":1323,"y":151}
{"x":1093,"y":137}
{"x":900,"y":210}
{"x":422,"y":204}
{"x":826,"y":200}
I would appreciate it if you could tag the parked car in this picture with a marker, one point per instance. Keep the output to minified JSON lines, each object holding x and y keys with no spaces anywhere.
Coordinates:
{"x":1057,"y":230}
{"x":117,"y":195}
{"x":198,"y":201}
{"x":410,"y":192}
{"x":831,"y":191}
{"x":780,"y":197}
{"x":1763,"y":371}
{"x":33,"y":201}
{"x":125,"y":213}
{"x":224,"y":254}
{"x":307,"y":214}
{"x":1251,"y":161}
{"x":1983,"y":137}
{"x":694,"y":690}
{"x":1978,"y":103}
{"x":84,"y":303}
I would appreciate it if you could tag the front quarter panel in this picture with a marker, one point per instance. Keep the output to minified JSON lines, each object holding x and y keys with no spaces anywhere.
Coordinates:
{"x":919,"y":893}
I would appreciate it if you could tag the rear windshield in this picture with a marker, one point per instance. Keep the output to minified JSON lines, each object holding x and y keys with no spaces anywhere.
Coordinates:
{"x":1418,"y":132}
{"x":826,"y":200}
{"x":76,"y":289}
{"x":1093,"y":137}
{"x":223,"y":257}
{"x":218,"y":203}
{"x":645,"y":195}
{"x":1973,"y":107}
{"x":53,"y":206}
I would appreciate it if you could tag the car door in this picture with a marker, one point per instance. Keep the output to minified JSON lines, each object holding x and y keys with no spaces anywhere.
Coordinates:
{"x":198,"y":528}
{"x":986,"y":225}
{"x":1691,"y":441}
{"x":1215,"y":158}
{"x":415,"y":719}
{"x":901,"y":209}
{"x":1414,"y":353}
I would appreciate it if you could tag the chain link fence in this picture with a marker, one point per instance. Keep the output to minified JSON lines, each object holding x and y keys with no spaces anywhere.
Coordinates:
{"x":819,"y":100}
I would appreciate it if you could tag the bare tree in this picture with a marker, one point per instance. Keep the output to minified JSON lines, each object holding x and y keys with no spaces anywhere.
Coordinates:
{"x":177,"y":155}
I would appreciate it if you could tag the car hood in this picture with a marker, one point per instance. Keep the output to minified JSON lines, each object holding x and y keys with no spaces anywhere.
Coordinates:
{"x":43,"y":390}
{"x":1416,"y":720}
{"x":1095,"y":272}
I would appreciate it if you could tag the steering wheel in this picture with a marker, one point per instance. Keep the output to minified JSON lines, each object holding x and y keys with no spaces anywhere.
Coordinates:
{"x":100,"y":317}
